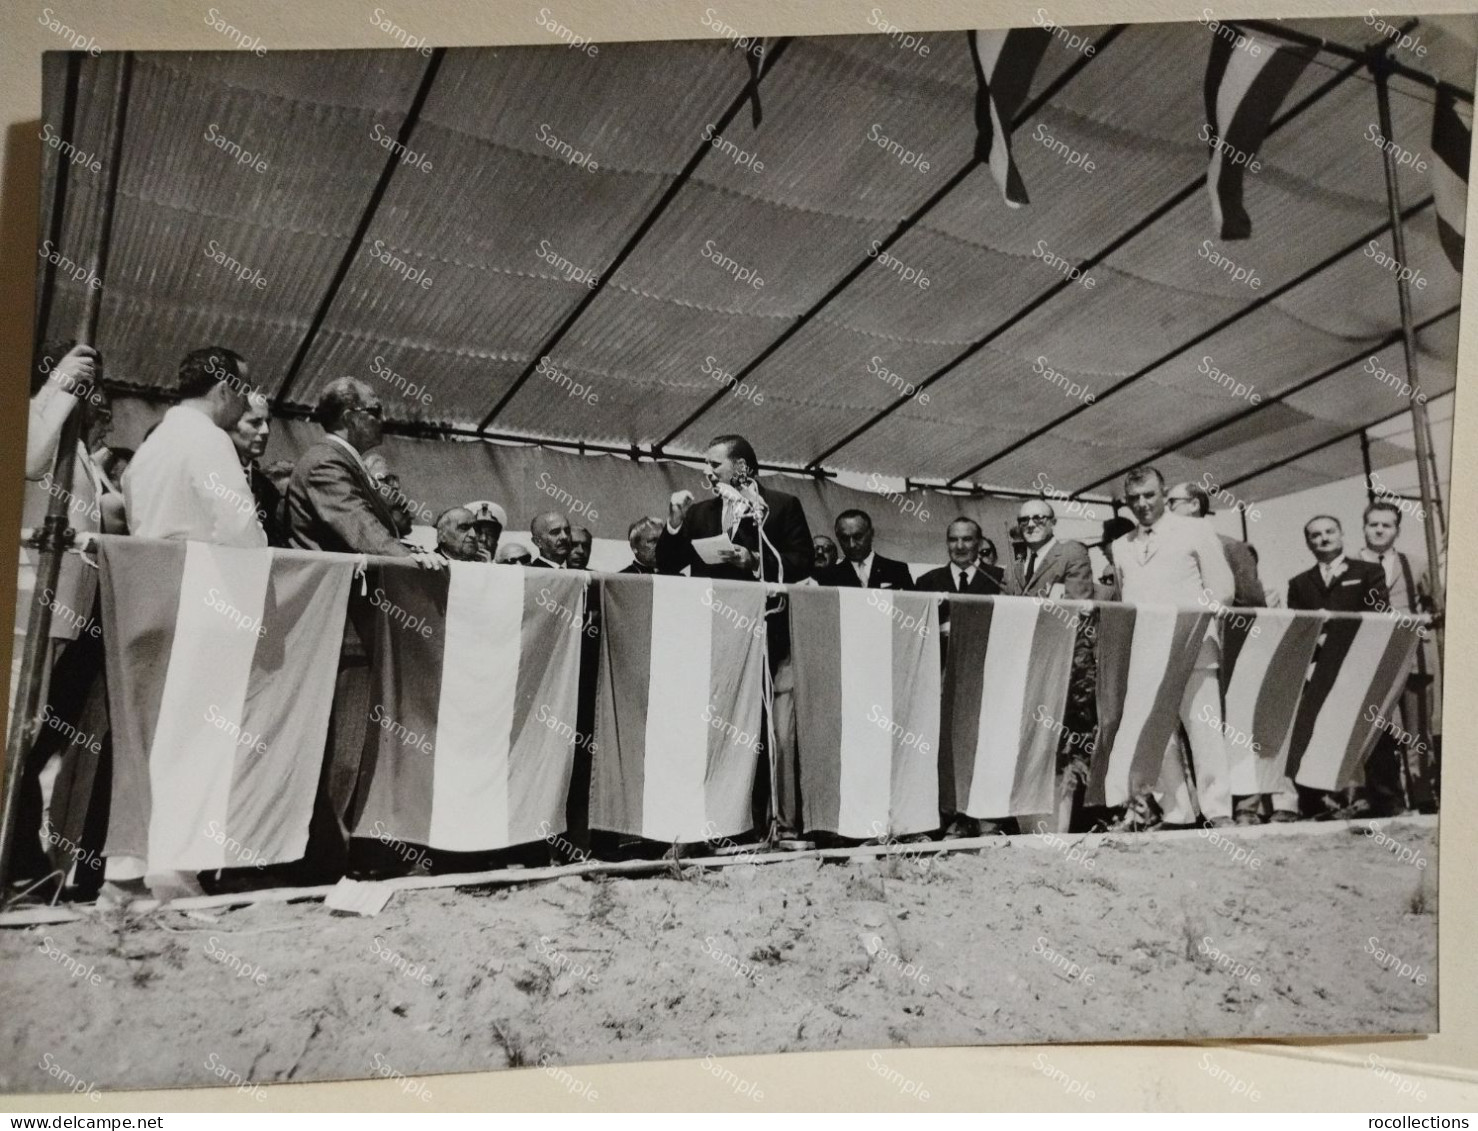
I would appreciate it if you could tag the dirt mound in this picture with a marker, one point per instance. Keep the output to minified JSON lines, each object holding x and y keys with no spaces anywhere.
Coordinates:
{"x":1128,"y":938}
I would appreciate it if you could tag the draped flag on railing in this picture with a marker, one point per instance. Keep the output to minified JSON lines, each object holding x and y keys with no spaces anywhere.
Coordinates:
{"x":472,"y":704}
{"x":221,"y":666}
{"x":1005,"y":694}
{"x":1452,"y":140}
{"x":1247,"y":78}
{"x":1145,"y":657}
{"x":678,"y":707}
{"x":867,"y":687}
{"x":1358,"y":672}
{"x":1265,"y":655}
{"x":1005,"y":64}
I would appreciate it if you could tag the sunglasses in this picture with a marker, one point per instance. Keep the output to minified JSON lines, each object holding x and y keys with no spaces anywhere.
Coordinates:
{"x":1035,"y":520}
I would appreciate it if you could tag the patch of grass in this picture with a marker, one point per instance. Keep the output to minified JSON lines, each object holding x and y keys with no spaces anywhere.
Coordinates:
{"x":512,"y":1046}
{"x":1418,"y":902}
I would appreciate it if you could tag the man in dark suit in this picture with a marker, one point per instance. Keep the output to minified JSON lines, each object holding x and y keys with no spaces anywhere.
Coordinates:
{"x":642,"y":538}
{"x":552,"y":539}
{"x":1338,"y":584}
{"x":250,"y":439}
{"x":860,"y":567}
{"x":767,"y":540}
{"x":826,"y":553}
{"x":1192,"y":501}
{"x":988,"y":561}
{"x":964,"y":573}
{"x":333,"y":502}
{"x":742,"y":511}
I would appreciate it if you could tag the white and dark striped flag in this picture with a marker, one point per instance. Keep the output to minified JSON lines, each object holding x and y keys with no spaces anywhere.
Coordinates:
{"x":1005,"y":64}
{"x":678,"y":705}
{"x":1265,"y":655}
{"x":1358,"y":673}
{"x":1247,"y":79}
{"x":1452,"y":140}
{"x":867,"y":709}
{"x":221,"y":667}
{"x":1010,"y":659}
{"x":1145,"y":657}
{"x":471,"y":736}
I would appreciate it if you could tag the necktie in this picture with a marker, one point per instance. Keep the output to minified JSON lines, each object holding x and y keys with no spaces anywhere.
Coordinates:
{"x":1031,"y":565}
{"x":964,"y":580}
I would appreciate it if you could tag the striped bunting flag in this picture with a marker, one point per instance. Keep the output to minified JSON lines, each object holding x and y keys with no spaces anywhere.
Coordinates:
{"x":472,"y":704}
{"x":1452,"y":140}
{"x":1005,"y":64}
{"x":867,"y":688}
{"x":221,"y":667}
{"x":1265,"y":654}
{"x":1247,"y":79}
{"x":1145,"y":657}
{"x":1358,"y":673}
{"x":1005,"y":692}
{"x":678,"y":707}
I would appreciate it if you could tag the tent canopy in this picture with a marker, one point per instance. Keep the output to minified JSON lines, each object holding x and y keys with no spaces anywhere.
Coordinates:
{"x":500,"y":212}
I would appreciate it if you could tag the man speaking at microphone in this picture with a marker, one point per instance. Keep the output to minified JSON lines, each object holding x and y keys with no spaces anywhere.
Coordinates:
{"x":768,"y":539}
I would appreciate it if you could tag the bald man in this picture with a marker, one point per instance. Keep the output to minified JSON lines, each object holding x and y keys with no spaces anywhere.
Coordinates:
{"x":456,"y":536}
{"x":552,"y":539}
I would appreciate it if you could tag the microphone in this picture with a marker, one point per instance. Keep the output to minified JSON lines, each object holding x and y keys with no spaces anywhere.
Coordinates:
{"x":734,"y":496}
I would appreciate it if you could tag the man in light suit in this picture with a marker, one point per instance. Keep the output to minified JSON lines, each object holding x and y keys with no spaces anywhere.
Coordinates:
{"x":333,"y":502}
{"x":861,"y":568}
{"x":1051,"y":568}
{"x":1410,"y":586}
{"x":1175,"y":559}
{"x":1191,"y":500}
{"x":742,"y":511}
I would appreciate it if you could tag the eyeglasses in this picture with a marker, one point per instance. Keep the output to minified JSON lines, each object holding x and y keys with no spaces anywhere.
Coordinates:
{"x":377,"y":411}
{"x":1173,"y":499}
{"x":1034,"y":520}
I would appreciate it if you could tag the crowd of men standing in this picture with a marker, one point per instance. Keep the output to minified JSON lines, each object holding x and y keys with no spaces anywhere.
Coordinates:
{"x":197,"y":475}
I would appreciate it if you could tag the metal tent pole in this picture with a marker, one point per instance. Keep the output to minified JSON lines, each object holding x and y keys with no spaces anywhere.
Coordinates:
{"x":1421,"y":433}
{"x":55,"y":536}
{"x":1365,"y":463}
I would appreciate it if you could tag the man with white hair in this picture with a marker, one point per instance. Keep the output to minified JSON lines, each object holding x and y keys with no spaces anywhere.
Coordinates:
{"x":642,"y":538}
{"x":250,"y":440}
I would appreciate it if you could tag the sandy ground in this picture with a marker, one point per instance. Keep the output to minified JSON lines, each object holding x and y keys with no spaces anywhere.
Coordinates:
{"x":1157,"y":937}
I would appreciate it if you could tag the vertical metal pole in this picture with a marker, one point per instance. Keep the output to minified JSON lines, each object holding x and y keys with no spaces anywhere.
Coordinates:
{"x":1418,"y":401}
{"x":55,"y":535}
{"x":1365,"y":462}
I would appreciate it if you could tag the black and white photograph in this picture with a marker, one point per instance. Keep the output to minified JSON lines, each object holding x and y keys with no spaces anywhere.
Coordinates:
{"x":583,"y":552}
